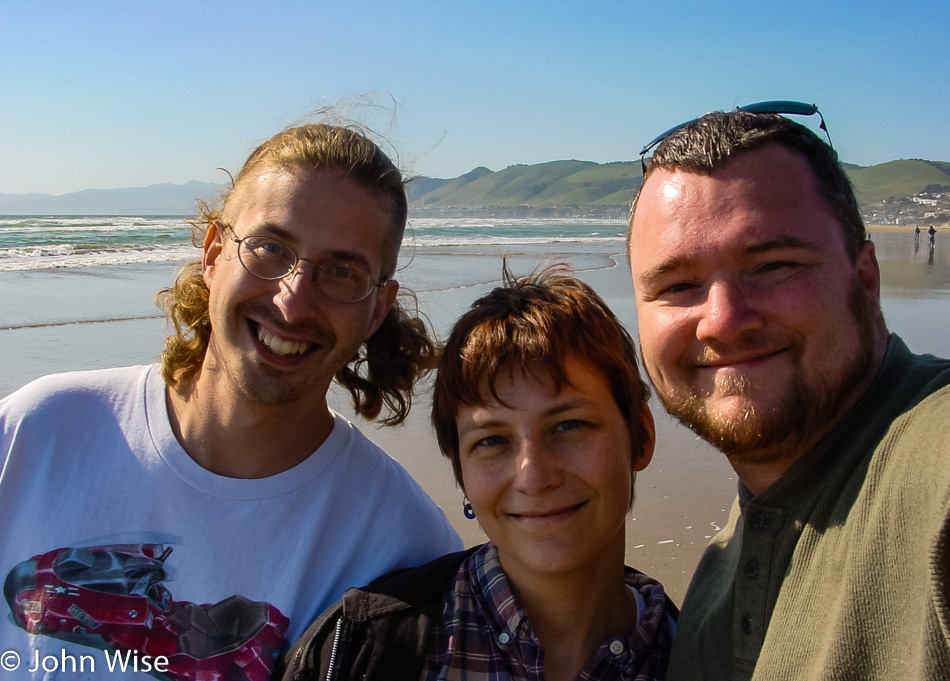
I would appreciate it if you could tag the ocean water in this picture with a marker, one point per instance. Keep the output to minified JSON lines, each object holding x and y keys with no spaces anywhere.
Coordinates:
{"x":57,"y":270}
{"x":29,"y":243}
{"x":50,"y":265}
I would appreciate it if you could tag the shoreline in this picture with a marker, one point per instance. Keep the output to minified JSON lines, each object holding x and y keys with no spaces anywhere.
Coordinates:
{"x":160,"y":273}
{"x":903,"y":229}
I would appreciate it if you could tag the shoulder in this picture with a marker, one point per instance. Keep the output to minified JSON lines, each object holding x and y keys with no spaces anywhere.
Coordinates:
{"x":402,"y":590}
{"x":922,"y":434}
{"x":389,"y":486}
{"x":67,"y":390}
{"x":652,"y":592}
{"x":411,"y":585}
{"x":912,"y":378}
{"x":906,"y":410}
{"x":389,"y":619}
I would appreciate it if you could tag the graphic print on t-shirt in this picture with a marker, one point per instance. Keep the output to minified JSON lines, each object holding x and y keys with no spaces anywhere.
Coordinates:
{"x":113,"y":597}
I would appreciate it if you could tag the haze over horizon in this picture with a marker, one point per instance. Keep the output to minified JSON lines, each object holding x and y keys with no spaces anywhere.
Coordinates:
{"x":112,"y":95}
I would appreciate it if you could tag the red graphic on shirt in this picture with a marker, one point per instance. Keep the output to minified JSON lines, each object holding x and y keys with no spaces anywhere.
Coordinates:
{"x":114,"y":597}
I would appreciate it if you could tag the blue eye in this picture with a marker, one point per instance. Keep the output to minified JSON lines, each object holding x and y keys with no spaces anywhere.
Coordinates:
{"x":339,"y":270}
{"x":676,"y":290}
{"x":262,"y":247}
{"x":491,"y":441}
{"x":272,"y":247}
{"x":569,"y":424}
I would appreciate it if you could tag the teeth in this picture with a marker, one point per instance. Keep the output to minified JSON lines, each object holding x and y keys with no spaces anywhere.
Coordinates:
{"x":279,"y":346}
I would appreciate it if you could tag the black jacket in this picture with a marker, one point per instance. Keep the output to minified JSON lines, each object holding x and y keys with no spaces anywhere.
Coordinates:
{"x":398,"y":610}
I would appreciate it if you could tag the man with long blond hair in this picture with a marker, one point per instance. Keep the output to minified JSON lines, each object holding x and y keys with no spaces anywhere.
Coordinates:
{"x":221,"y":477}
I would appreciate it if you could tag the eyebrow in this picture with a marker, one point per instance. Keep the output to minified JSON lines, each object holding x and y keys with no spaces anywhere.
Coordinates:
{"x":755,"y":247}
{"x":282,"y":234}
{"x":574,"y":403}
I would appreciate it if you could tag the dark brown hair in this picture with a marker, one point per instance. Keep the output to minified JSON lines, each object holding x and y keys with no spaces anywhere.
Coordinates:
{"x":707,"y":144}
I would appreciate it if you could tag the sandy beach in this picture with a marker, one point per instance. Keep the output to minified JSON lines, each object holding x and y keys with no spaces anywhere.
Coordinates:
{"x":58,"y":320}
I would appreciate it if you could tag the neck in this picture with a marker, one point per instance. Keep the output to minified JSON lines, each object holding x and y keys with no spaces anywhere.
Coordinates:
{"x":239,"y":440}
{"x":572,"y":614}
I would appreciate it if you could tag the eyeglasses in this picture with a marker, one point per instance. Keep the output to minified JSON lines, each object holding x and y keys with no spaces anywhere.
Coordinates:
{"x":270,"y":259}
{"x":771,"y":107}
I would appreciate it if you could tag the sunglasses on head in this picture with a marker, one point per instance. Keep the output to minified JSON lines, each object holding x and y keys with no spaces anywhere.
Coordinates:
{"x":779,"y":106}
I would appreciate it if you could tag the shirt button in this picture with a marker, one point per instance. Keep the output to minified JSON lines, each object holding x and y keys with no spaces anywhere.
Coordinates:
{"x":616,"y":646}
{"x":503,"y":638}
{"x":758,"y":520}
{"x":746,"y":624}
{"x":751,"y":569}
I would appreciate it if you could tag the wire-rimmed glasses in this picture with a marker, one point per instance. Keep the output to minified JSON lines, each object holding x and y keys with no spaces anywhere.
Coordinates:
{"x":267,"y":258}
{"x":778,"y":106}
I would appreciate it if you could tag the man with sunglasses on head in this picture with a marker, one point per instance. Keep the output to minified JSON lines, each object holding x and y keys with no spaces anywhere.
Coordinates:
{"x":199,"y":514}
{"x":758,"y":303}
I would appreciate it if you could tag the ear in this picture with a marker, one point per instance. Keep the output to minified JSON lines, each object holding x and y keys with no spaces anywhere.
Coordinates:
{"x":214,"y":242}
{"x":868,"y":271}
{"x":642,"y":458}
{"x":385,"y":299}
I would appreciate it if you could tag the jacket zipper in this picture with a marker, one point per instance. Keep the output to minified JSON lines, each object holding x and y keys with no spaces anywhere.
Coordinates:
{"x":336,"y":644}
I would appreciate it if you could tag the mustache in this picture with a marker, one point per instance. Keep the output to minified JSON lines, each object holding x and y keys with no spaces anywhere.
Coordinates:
{"x":311,"y":329}
{"x":713,"y":354}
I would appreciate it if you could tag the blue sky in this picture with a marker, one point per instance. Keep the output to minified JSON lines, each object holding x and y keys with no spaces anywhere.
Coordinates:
{"x":108,"y":94}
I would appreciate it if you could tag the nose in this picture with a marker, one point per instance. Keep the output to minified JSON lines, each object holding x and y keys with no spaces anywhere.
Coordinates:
{"x":729,"y":312}
{"x":538,"y":468}
{"x":298,"y":296}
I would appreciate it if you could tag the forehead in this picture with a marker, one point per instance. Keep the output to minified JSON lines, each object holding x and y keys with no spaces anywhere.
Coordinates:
{"x":294,"y":199}
{"x":541,"y":382}
{"x":767,"y":195}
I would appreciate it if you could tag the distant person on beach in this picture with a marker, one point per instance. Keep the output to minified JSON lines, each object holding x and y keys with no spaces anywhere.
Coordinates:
{"x":932,"y":234}
{"x":200,"y":513}
{"x":758,"y":304}
{"x":917,"y":233}
{"x":540,"y":407}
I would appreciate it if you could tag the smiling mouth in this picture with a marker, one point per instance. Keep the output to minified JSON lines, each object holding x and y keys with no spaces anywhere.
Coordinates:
{"x":280,"y":347}
{"x":546,"y":517}
{"x":708,"y":361}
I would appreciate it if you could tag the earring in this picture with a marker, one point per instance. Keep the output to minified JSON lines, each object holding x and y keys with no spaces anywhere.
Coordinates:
{"x":467,"y":509}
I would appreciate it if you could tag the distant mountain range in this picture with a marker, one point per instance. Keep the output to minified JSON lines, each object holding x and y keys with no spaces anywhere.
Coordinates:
{"x":557,"y":188}
{"x":158,"y":199}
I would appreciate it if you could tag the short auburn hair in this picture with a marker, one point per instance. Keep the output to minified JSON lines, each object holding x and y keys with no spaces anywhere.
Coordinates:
{"x":544,"y":318}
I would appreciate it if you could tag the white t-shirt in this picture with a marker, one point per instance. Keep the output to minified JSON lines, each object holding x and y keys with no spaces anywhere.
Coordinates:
{"x":112,"y":536}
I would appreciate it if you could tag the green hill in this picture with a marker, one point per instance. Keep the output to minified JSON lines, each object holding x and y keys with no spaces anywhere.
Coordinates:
{"x":584,"y":184}
{"x":898,"y":179}
{"x":553,"y":184}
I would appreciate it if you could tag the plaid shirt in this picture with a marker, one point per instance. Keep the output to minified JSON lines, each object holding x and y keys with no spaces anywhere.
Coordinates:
{"x":484,"y":634}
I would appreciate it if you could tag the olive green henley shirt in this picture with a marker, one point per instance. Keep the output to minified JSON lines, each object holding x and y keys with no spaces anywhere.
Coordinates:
{"x":840,"y":569}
